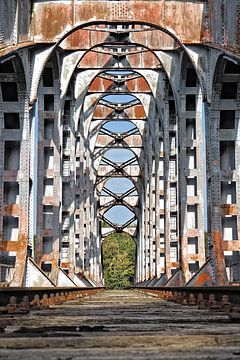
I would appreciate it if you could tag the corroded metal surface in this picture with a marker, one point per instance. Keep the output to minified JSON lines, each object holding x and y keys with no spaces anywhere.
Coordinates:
{"x":43,"y":293}
{"x":162,"y":13}
{"x":213,"y":22}
{"x":187,"y":293}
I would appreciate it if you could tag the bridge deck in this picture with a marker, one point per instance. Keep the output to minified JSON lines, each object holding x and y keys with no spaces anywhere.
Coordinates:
{"x":119,"y":325}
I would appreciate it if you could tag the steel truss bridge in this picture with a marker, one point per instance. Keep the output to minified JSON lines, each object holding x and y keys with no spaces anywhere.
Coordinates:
{"x":157,"y":82}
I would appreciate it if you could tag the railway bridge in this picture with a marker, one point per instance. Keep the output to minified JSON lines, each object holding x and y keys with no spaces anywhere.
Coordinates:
{"x":98,"y":93}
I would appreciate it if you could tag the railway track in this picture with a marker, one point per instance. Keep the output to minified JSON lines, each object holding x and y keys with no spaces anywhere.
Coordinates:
{"x":119,"y":325}
{"x":22,"y":300}
{"x":224,"y":298}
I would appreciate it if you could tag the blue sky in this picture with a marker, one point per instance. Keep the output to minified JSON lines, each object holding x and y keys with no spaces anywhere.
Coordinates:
{"x":119,"y":126}
{"x":119,"y":98}
{"x":118,"y":155}
{"x":119,"y":185}
{"x":119,"y":214}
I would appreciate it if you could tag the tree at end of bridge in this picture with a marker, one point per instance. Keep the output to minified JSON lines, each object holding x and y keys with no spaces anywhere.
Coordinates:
{"x":118,"y":260}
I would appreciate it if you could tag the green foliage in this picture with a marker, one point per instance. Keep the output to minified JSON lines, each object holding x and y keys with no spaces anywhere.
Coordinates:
{"x":118,"y":260}
{"x":104,"y":224}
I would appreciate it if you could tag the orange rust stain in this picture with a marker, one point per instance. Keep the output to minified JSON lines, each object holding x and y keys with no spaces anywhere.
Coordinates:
{"x":66,"y":265}
{"x":89,"y":60}
{"x":139,"y":111}
{"x":20,"y":247}
{"x":13,"y":209}
{"x":190,"y":25}
{"x":52,"y":257}
{"x":47,"y":257}
{"x":185,"y":19}
{"x":231,"y":245}
{"x":131,"y":86}
{"x":51,"y":20}
{"x":140,"y":37}
{"x":229,"y":209}
{"x":80,"y":39}
{"x":92,"y":10}
{"x":139,"y":85}
{"x":134,"y":60}
{"x":96,"y":85}
{"x":143,"y":85}
{"x":219,"y":257}
{"x":203,"y":279}
{"x":184,"y":265}
{"x":102,"y":111}
{"x":155,"y":39}
{"x":194,"y":257}
{"x":83,"y":39}
{"x":9,"y":246}
{"x":95,"y":60}
{"x":100,"y":85}
{"x":149,"y":60}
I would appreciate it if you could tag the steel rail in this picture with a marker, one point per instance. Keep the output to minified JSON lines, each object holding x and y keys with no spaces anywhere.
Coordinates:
{"x":22,"y":299}
{"x":226,"y":298}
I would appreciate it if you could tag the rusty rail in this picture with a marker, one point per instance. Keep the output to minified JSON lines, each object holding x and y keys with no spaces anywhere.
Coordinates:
{"x":21,"y":300}
{"x":224,"y":298}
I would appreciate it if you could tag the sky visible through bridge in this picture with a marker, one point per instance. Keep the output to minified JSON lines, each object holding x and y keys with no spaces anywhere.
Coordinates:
{"x":119,"y":185}
{"x":119,"y":214}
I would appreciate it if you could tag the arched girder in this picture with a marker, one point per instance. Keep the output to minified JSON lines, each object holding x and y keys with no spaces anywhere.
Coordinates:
{"x":131,"y":139}
{"x":104,"y":162}
{"x":146,"y":100}
{"x":119,"y":81}
{"x":128,"y":141}
{"x":130,"y":159}
{"x":94,"y":107}
{"x":118,"y":197}
{"x":106,"y":60}
{"x":69,"y":65}
{"x":63,"y":36}
{"x":87,"y":24}
{"x":170,"y":77}
{"x":112,"y":198}
{"x":146,"y":104}
{"x":98,"y":123}
{"x":103,"y":209}
{"x":118,"y":173}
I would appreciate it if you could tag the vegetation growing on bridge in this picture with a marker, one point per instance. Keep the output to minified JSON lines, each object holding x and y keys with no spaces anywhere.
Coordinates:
{"x":118,"y":260}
